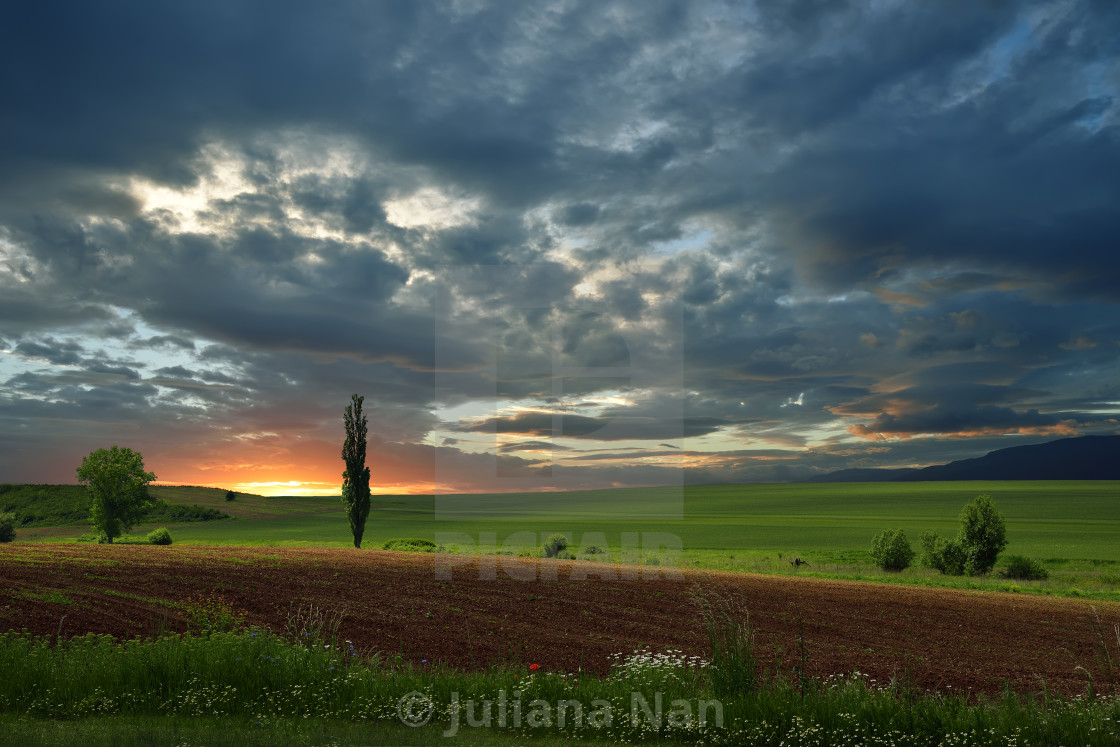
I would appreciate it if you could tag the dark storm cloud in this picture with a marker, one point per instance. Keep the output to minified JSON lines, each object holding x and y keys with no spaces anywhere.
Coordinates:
{"x":225,"y":289}
{"x":176,"y":371}
{"x":22,"y":311}
{"x":169,"y":340}
{"x":618,"y":425}
{"x":961,"y":420}
{"x":893,"y":218}
{"x":1000,"y":183}
{"x":111,"y":370}
{"x":62,"y":353}
{"x":526,"y":446}
{"x":164,"y":70}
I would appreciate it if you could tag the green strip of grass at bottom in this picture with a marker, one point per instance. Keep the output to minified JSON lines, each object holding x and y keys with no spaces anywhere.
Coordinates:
{"x":255,"y":687}
{"x":124,"y":731}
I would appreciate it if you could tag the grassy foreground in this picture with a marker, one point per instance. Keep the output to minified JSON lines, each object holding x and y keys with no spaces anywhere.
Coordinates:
{"x":252,"y":686}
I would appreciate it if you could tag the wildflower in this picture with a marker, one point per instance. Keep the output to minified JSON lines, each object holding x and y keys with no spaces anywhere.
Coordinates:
{"x":534,"y":667}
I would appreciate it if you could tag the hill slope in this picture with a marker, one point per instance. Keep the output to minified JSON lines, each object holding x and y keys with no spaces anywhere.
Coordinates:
{"x":1083,"y":458}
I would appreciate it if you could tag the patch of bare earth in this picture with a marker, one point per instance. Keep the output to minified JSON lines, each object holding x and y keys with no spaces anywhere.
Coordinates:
{"x":396,"y":604}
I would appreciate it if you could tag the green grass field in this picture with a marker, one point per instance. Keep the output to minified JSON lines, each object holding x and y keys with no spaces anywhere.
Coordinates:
{"x":255,"y":686}
{"x":1073,"y":527}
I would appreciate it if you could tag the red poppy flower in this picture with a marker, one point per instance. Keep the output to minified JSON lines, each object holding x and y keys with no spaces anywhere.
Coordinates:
{"x":533,"y":667}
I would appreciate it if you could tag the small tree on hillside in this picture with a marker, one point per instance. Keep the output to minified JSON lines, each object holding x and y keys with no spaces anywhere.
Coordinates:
{"x":118,"y":487}
{"x":355,"y":480}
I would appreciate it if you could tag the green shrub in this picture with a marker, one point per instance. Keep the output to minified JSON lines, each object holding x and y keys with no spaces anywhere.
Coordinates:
{"x":176,"y":512}
{"x":891,"y":551}
{"x":7,"y":527}
{"x":211,"y":613}
{"x":411,"y":544}
{"x":1024,"y":568}
{"x":594,"y":550}
{"x":554,"y":545}
{"x":982,"y":535}
{"x":944,"y":555}
{"x":980,"y":539}
{"x":97,"y":538}
{"x":159,"y":536}
{"x":230,"y":495}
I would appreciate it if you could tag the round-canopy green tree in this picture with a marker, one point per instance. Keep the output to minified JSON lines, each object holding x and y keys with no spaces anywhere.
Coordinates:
{"x":355,"y":480}
{"x":982,"y":534}
{"x":891,"y":551}
{"x":118,"y":487}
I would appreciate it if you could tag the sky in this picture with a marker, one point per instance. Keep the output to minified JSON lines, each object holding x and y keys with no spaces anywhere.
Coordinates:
{"x":554,"y":245}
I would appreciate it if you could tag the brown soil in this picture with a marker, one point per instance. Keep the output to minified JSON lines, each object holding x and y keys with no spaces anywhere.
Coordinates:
{"x":395,"y":603}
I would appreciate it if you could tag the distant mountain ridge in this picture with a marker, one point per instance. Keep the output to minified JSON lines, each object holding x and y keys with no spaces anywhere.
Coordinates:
{"x":1081,"y":458}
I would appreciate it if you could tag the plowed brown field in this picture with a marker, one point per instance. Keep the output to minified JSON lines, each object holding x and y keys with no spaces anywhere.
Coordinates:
{"x":394,"y":603}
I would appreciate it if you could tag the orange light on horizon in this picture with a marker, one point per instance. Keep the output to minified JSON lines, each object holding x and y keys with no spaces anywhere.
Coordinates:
{"x":307,"y":489}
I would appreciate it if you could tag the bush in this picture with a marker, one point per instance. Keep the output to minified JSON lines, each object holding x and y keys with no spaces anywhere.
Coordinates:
{"x":982,"y":534}
{"x":944,"y":555}
{"x":230,"y":495}
{"x":177,"y":512}
{"x":7,"y":527}
{"x":411,"y":544}
{"x":159,"y":537}
{"x":1024,"y":568}
{"x":979,"y":541}
{"x":891,"y":550}
{"x":212,"y":614}
{"x":97,"y":538}
{"x":555,"y":544}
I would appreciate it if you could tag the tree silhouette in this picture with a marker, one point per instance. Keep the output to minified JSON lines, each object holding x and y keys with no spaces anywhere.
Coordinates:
{"x":355,"y":480}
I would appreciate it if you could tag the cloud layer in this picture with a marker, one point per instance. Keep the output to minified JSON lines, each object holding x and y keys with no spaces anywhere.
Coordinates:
{"x":631,"y":241}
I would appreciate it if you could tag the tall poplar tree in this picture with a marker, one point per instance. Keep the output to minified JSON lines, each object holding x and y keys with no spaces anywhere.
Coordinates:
{"x":355,"y":480}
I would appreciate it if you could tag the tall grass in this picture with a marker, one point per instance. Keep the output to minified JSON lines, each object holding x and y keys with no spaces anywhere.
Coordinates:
{"x":1107,"y":681}
{"x":255,"y":678}
{"x":733,"y":668}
